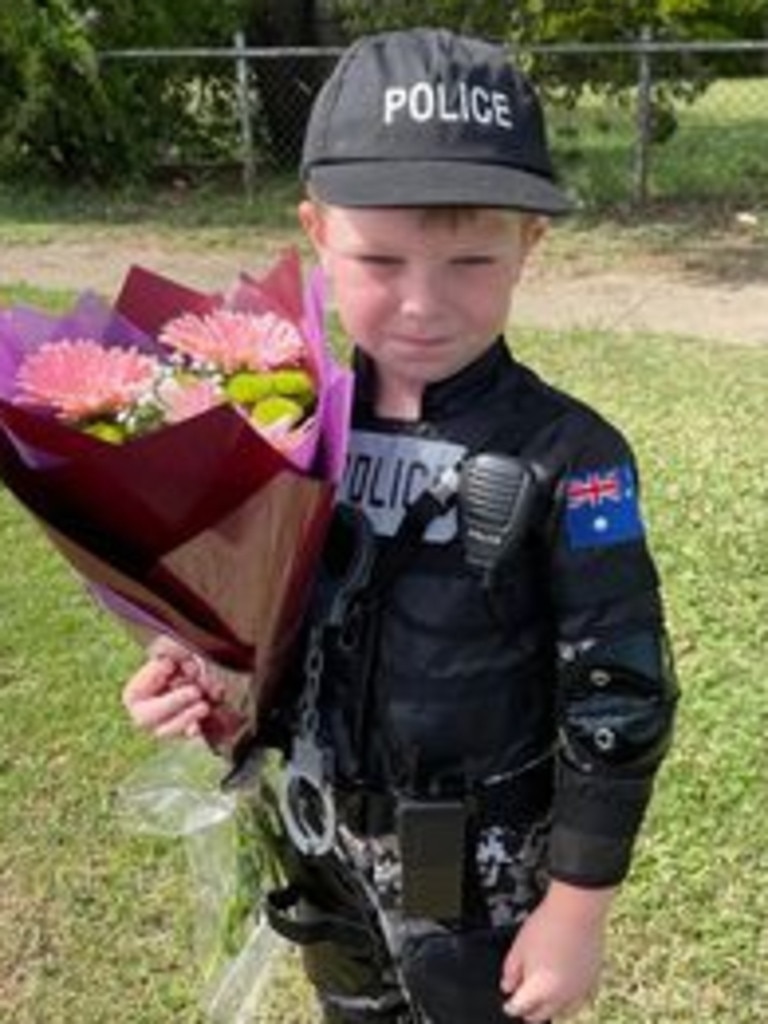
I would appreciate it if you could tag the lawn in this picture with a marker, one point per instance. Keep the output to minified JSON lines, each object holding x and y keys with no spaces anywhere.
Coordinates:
{"x":97,"y":924}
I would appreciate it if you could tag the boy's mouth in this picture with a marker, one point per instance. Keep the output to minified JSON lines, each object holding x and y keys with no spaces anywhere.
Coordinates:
{"x":421,"y":341}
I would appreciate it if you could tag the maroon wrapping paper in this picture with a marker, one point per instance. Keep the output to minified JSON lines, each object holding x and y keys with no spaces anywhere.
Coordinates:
{"x":199,"y":530}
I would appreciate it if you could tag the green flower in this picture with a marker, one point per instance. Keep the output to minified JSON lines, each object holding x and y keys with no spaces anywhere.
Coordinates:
{"x":106,"y":430}
{"x":248,"y":387}
{"x":296,"y":384}
{"x":275,"y":408}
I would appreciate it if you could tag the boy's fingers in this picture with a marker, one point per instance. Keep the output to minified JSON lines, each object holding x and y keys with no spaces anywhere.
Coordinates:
{"x":210,"y":683}
{"x":538,"y":1014}
{"x":188,"y":667}
{"x":160,"y":710}
{"x":531,"y":1001}
{"x":187,"y":723}
{"x":165,"y":647}
{"x":512,"y":975}
{"x":148,"y":682}
{"x":193,"y":730}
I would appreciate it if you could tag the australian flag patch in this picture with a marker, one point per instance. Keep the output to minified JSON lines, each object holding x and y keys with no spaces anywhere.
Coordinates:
{"x":602,"y":508}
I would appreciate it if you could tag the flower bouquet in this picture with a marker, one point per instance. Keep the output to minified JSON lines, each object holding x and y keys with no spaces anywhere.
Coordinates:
{"x":181,"y":450}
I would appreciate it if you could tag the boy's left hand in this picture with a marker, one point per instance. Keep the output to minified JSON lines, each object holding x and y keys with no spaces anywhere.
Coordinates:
{"x":553,"y":966}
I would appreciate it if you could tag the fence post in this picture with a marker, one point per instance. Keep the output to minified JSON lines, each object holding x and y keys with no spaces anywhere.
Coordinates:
{"x":644,"y":117}
{"x":244,"y":111}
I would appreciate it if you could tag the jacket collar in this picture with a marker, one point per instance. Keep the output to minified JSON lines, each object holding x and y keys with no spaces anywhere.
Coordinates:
{"x":445,"y":397}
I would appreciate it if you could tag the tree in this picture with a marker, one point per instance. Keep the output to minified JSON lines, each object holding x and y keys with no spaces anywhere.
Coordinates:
{"x":542,"y":21}
{"x":65,"y":113}
{"x":536,"y":22}
{"x":45,"y":56}
{"x":676,"y":77}
{"x":488,"y":18}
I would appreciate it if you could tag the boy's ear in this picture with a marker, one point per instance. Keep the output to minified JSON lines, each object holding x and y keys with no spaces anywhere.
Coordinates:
{"x":311,"y":220}
{"x":534,"y":229}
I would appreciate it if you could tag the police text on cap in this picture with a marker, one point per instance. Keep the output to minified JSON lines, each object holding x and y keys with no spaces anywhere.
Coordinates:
{"x":427,"y":101}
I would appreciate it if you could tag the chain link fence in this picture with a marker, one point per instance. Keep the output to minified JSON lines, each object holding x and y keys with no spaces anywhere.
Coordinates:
{"x":676,"y":123}
{"x":681,"y":124}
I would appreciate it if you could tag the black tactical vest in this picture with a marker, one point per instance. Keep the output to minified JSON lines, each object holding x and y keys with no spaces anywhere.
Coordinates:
{"x":440,"y":682}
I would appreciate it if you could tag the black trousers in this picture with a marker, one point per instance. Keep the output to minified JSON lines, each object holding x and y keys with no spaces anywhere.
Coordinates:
{"x":443,"y":978}
{"x":441,"y":975}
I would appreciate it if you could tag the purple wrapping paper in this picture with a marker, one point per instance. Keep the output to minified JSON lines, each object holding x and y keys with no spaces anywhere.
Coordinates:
{"x":200,"y":529}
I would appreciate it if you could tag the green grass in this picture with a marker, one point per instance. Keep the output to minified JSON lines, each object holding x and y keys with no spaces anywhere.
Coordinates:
{"x":690,"y":939}
{"x":97,"y":925}
{"x":36,"y":213}
{"x":720,"y":152}
{"x":55,"y":300}
{"x":165,"y":204}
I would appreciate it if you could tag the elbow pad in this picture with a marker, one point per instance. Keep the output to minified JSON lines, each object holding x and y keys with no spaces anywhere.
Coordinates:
{"x":616,"y":704}
{"x":616,"y":710}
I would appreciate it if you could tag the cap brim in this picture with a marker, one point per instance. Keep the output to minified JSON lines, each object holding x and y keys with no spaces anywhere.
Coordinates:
{"x":435,"y":183}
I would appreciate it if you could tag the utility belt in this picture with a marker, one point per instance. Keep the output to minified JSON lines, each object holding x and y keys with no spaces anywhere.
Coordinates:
{"x":519,"y":795}
{"x":436,"y":842}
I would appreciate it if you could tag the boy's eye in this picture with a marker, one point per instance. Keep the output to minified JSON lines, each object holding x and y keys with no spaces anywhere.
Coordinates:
{"x":474,"y":261}
{"x":378,"y":260}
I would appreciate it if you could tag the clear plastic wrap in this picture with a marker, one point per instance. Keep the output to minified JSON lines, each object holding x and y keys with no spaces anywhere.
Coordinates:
{"x":231,"y":840}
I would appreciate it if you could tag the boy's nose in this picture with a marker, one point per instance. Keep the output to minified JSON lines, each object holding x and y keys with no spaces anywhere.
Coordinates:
{"x":422,"y":293}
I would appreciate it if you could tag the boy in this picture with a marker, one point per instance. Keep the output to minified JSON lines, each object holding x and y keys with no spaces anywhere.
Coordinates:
{"x":492,"y":696}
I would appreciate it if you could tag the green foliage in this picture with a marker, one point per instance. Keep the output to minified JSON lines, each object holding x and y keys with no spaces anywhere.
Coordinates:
{"x":488,"y":18}
{"x":65,"y":114}
{"x":47,"y":57}
{"x":259,"y":856}
{"x":548,"y":21}
{"x":69,"y":115}
{"x":537,"y":22}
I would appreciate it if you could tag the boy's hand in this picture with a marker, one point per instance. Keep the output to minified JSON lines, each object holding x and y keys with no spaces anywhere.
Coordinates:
{"x":172,"y":693}
{"x":553,"y":965}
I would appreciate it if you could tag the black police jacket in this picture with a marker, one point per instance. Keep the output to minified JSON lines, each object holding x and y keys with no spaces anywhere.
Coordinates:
{"x":443,"y":682}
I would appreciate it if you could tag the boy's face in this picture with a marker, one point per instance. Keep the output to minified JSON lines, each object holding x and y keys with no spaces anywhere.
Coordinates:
{"x":422,"y":292}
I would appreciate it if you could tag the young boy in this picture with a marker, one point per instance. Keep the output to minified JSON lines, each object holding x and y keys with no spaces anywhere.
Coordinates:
{"x":494,"y":696}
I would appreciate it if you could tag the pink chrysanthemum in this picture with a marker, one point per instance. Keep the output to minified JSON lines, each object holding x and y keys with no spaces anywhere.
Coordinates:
{"x":81,"y":378}
{"x":233,"y":341}
{"x":183,"y":401}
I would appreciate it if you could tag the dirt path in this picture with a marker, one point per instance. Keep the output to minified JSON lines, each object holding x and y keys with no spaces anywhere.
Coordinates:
{"x":719,"y":294}
{"x":649,"y":300}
